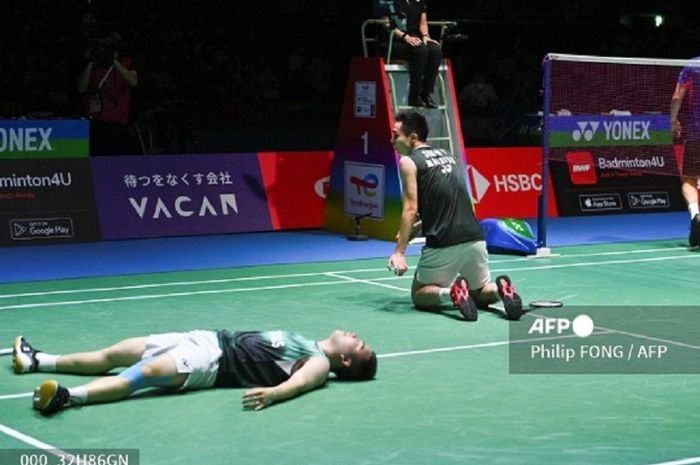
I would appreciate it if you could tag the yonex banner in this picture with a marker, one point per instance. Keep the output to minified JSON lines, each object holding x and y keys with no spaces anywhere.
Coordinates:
{"x":46,"y":201}
{"x":613,"y":164}
{"x":179,"y":195}
{"x":609,"y":130}
{"x":24,"y":139}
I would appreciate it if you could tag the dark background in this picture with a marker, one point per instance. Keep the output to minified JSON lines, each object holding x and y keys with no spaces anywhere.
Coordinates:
{"x":236,"y":76}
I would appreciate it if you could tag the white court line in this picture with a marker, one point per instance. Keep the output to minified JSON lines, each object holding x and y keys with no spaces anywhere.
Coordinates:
{"x":416,"y":352}
{"x":7,"y":351}
{"x":174,"y":294}
{"x":36,"y":443}
{"x":608,"y":262}
{"x":688,"y":461}
{"x":16,"y":396}
{"x":287,"y":286}
{"x":651,"y":338}
{"x":627,"y":333}
{"x":475,"y":346}
{"x":280,"y":276}
{"x":363,"y":281}
{"x":184,"y":283}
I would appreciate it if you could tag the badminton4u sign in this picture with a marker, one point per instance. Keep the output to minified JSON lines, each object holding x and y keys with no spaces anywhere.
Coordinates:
{"x":613,"y":163}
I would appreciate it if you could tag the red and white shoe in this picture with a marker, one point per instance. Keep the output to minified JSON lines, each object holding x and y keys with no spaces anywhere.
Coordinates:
{"x":511,"y":299}
{"x":459,"y":293}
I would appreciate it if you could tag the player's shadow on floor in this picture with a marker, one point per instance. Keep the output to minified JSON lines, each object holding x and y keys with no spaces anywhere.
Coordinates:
{"x":405,"y":306}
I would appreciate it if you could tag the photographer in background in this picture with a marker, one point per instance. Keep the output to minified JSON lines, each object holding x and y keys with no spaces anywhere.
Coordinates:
{"x":107,"y":82}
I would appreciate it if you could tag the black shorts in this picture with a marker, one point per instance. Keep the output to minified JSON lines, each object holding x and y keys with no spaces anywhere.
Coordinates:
{"x":691,"y":158}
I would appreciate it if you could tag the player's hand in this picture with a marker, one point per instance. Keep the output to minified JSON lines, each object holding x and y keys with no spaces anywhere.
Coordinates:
{"x":676,"y":128}
{"x":413,"y":41}
{"x":258,"y":398}
{"x":428,"y":40}
{"x":397,"y":263}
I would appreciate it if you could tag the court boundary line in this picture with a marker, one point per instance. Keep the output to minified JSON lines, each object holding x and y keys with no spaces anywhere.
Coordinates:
{"x":410,"y":352}
{"x":286,"y":286}
{"x":373,"y":283}
{"x":32,"y":441}
{"x":16,"y":396}
{"x":686,"y":461}
{"x":475,"y":346}
{"x":345,"y":279}
{"x":296,"y":275}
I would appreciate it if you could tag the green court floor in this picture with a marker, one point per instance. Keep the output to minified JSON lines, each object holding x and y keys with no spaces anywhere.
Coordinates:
{"x":443,"y":394}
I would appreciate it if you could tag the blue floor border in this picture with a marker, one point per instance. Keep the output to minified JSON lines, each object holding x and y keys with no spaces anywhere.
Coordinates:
{"x":107,"y":258}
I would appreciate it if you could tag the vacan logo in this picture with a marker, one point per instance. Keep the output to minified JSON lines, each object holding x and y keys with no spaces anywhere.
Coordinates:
{"x":586,"y":130}
{"x":366,"y":185}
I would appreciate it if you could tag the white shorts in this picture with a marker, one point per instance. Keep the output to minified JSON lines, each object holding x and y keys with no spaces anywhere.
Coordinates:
{"x":440,"y":266}
{"x":196,"y":353}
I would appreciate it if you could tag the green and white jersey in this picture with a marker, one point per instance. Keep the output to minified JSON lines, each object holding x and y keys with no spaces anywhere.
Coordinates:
{"x":261,"y":358}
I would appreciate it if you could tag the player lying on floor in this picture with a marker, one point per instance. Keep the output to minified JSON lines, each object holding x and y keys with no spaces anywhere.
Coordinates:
{"x":278,"y":365}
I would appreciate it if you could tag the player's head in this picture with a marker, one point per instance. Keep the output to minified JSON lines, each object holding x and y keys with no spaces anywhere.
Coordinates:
{"x":410,"y":129}
{"x":357,"y":360}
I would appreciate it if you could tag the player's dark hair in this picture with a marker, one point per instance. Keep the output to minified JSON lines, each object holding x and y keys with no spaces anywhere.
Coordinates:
{"x":359,"y":370}
{"x":413,"y":122}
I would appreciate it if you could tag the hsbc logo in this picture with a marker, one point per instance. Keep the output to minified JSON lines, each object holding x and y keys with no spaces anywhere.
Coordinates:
{"x":504,"y":183}
{"x":586,"y":130}
{"x":478,"y":183}
{"x":581,"y":168}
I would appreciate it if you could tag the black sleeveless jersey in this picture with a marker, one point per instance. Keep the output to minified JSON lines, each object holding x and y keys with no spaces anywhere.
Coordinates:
{"x":444,"y":204}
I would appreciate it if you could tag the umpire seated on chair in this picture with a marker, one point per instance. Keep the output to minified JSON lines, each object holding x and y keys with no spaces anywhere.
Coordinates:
{"x":408,"y":24}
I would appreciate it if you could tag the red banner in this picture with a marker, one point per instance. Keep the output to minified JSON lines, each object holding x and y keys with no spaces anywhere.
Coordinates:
{"x":506,"y":182}
{"x":296,"y":184}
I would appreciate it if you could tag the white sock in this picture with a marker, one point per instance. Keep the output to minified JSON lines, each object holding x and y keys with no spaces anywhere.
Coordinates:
{"x":693,"y":209}
{"x":445,"y":295}
{"x":78,"y":395}
{"x":47,"y":362}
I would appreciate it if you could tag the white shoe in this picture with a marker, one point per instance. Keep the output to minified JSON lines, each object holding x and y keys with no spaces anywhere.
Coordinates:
{"x":23,"y":356}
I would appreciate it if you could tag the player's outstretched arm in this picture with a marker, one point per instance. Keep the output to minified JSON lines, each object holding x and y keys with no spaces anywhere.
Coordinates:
{"x":311,"y":375}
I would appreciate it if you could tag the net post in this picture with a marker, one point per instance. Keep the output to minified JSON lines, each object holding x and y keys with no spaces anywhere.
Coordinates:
{"x":542,"y":250}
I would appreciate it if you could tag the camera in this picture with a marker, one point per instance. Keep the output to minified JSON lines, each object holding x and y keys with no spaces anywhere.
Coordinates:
{"x":102,"y":47}
{"x":102,"y":50}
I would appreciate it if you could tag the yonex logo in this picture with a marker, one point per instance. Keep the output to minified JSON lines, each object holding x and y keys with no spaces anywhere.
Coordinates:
{"x":366,"y":185}
{"x":586,"y":130}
